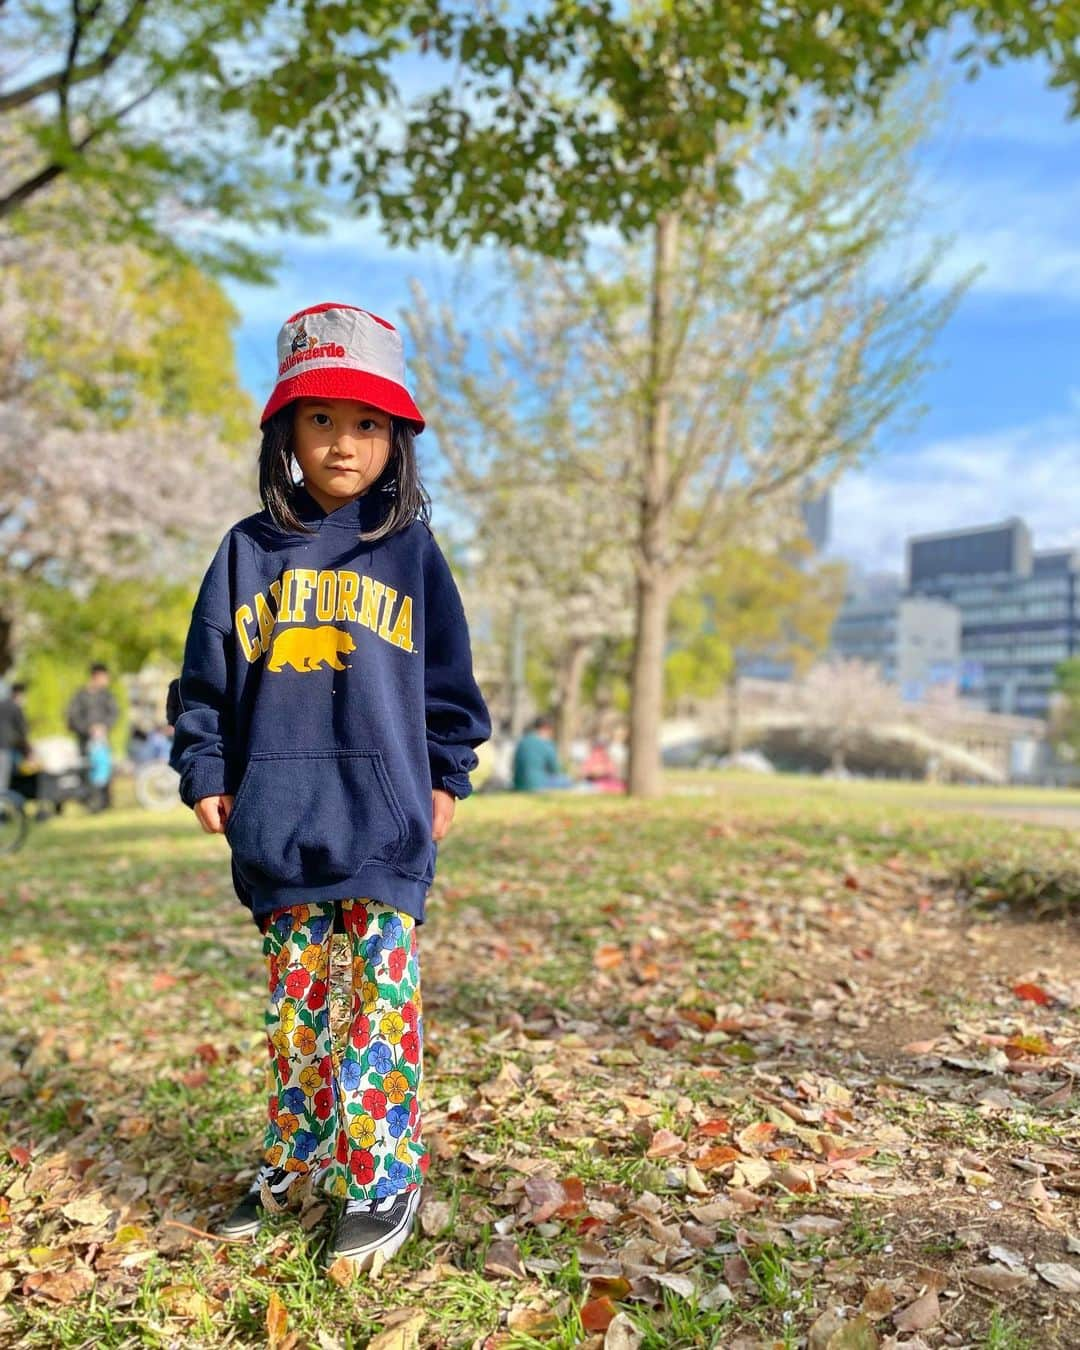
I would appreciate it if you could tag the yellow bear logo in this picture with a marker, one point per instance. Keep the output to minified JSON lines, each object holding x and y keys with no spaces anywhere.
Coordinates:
{"x":305,"y":649}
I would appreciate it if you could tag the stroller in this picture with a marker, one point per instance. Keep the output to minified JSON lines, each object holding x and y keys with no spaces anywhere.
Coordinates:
{"x":51,"y":787}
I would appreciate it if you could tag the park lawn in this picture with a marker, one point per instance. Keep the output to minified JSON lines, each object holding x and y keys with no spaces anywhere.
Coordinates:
{"x":698,"y":1072}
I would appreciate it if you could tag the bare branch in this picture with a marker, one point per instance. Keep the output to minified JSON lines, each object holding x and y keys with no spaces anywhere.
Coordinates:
{"x":70,"y":74}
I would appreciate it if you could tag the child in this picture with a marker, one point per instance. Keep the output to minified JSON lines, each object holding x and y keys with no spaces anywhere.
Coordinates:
{"x":100,"y":765}
{"x":327,"y":718}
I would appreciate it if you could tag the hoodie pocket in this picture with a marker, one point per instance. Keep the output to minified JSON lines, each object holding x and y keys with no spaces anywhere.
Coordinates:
{"x":315,"y":817}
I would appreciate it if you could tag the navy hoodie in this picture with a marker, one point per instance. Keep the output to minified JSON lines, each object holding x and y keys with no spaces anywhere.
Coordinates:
{"x":328,"y":684}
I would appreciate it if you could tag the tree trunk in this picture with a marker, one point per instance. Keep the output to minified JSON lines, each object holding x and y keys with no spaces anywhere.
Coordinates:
{"x":650,"y":619}
{"x":572,"y":668}
{"x":515,"y":672}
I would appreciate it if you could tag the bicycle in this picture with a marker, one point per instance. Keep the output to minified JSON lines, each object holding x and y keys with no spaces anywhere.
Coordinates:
{"x":157,"y":786}
{"x":14,"y":822}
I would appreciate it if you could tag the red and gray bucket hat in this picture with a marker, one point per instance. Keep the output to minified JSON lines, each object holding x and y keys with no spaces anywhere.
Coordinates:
{"x":339,"y":351}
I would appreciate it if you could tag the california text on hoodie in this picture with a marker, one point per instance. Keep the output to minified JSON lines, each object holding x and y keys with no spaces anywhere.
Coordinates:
{"x":328,"y":684}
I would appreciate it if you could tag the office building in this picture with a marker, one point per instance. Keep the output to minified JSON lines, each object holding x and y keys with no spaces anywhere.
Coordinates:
{"x":914,"y":641}
{"x":1019,"y":609}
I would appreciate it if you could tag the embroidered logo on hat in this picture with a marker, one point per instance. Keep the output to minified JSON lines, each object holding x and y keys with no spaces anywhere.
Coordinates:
{"x":302,"y":341}
{"x":338,"y":351}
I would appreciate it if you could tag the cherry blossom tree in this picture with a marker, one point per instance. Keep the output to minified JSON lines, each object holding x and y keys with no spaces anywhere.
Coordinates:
{"x":97,"y":477}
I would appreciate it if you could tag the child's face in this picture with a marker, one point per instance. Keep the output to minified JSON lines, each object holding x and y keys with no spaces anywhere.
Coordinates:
{"x":342,"y":447}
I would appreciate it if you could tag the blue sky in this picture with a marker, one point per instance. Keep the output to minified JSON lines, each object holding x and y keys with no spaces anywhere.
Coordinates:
{"x":1001,"y":435}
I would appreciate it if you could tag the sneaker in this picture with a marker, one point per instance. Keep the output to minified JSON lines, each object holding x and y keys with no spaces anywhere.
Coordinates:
{"x":246,"y":1219}
{"x":370,"y":1226}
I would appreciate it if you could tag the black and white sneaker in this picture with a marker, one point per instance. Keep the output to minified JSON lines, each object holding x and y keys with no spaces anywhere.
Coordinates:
{"x":246,"y":1219}
{"x":370,"y":1226}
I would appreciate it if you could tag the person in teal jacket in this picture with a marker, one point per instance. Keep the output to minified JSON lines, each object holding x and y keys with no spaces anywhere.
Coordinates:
{"x":536,"y":761}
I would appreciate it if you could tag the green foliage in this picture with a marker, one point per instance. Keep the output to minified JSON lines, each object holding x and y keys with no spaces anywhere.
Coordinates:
{"x":1067,"y":723}
{"x":578,"y":113}
{"x":749,"y":604}
{"x":126,"y":624}
{"x":535,"y":122}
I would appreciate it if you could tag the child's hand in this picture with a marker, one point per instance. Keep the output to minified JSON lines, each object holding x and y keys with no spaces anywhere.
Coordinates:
{"x":442,"y":813}
{"x":213,"y":812}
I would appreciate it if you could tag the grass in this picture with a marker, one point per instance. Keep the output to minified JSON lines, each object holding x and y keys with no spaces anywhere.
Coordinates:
{"x":616,"y":953}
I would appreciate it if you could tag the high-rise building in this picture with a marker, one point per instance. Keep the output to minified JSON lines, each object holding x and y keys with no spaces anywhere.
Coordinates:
{"x":1020,"y":609}
{"x":816,"y":514}
{"x":913,"y":640}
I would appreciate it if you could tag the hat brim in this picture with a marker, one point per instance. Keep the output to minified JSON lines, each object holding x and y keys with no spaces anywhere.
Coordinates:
{"x":373,"y":390}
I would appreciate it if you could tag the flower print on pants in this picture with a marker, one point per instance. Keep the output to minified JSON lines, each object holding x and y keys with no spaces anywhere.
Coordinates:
{"x":361,"y":1127}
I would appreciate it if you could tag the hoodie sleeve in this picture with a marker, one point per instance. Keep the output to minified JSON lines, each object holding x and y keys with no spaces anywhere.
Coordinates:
{"x":456,"y":714}
{"x":201,"y":733}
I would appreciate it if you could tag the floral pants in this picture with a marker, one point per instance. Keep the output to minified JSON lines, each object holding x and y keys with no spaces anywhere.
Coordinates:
{"x":353,"y":1117}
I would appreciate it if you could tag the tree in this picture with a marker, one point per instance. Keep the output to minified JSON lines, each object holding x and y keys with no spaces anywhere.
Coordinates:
{"x":1066,"y":719}
{"x":690,"y":386}
{"x":547,"y":536}
{"x":845,"y":702}
{"x":119,"y":450}
{"x":545,"y":120}
{"x":535,"y":123}
{"x":123,"y":102}
{"x":750,"y":603}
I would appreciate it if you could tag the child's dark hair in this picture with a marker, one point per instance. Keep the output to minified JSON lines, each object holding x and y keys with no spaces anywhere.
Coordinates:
{"x":406,"y":497}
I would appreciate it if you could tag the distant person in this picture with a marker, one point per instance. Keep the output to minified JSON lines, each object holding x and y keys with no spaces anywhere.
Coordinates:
{"x":536,"y":760}
{"x":14,"y":734}
{"x":94,"y":704}
{"x":159,"y":743}
{"x":599,"y":769}
{"x":99,"y":755}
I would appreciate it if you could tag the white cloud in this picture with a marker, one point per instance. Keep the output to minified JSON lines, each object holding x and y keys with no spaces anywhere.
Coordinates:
{"x":1023,"y":239}
{"x":1026,"y":471}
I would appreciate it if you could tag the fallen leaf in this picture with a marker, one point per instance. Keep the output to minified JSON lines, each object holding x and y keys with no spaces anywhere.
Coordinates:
{"x":1032,"y":993}
{"x":531,"y":1321}
{"x":834,"y":1331}
{"x":609,"y":1286}
{"x":682,"y":1285}
{"x":61,"y":1287}
{"x":998,"y":1278}
{"x":401,"y":1331}
{"x":878,"y":1301}
{"x":277,"y":1320}
{"x":622,"y":1334}
{"x":1063,"y":1277}
{"x":504,"y":1258}
{"x":342,"y":1272}
{"x":598,"y":1314}
{"x":184,"y":1300}
{"x":813,"y":1225}
{"x":755,"y":1137}
{"x":718,"y":1156}
{"x":666,"y":1144}
{"x":1007,"y":1257}
{"x":434,"y":1216}
{"x":88,"y":1210}
{"x":917,"y":1316}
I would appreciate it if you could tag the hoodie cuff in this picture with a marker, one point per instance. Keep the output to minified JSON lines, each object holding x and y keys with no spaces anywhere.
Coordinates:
{"x":204,"y":778}
{"x":457,"y":784}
